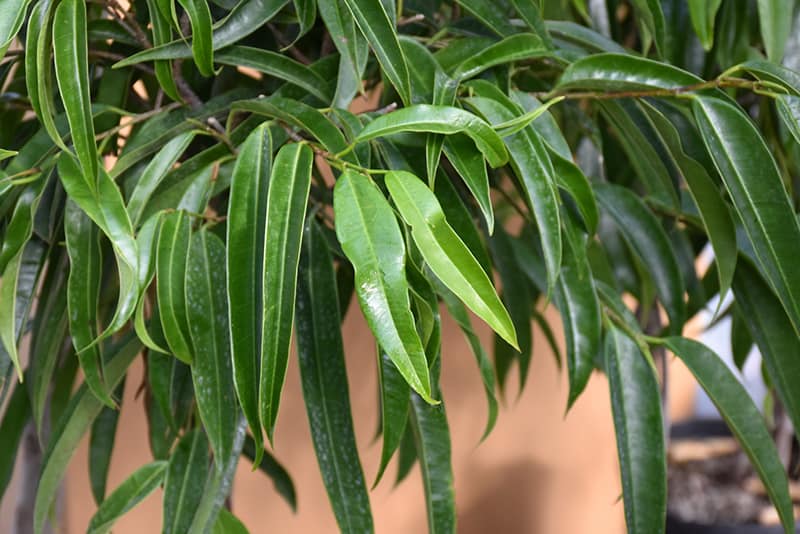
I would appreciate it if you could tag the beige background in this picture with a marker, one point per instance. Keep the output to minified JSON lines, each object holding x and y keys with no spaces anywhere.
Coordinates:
{"x":538,"y":472}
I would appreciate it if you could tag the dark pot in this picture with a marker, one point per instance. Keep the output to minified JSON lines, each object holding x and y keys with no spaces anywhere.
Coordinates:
{"x":709,"y":428}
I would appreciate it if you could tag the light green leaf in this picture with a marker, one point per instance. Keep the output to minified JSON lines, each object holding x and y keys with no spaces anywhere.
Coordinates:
{"x":371,"y":240}
{"x":287,"y":198}
{"x":442,"y":120}
{"x":127,"y":495}
{"x":789,"y":112}
{"x":73,"y":425}
{"x":756,"y":189}
{"x":743,"y":418}
{"x":173,"y":250}
{"x":445,"y":253}
{"x":377,"y":27}
{"x":227,"y":523}
{"x":636,"y":406}
{"x":703,"y":13}
{"x":207,"y":315}
{"x":14,"y":16}
{"x":775,"y":18}
{"x":278,"y":66}
{"x":324,"y":379}
{"x":185,"y":481}
{"x":647,"y":239}
{"x":247,"y":219}
{"x":72,"y":72}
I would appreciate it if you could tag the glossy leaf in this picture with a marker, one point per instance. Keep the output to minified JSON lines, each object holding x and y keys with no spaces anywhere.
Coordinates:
{"x":171,"y":258}
{"x":445,"y":253}
{"x":73,"y":425}
{"x":200,"y":20}
{"x":207,"y":315}
{"x":247,"y":212}
{"x":753,"y":182}
{"x":324,"y":379}
{"x":244,"y":19}
{"x":276,"y":65}
{"x":103,"y":204}
{"x":518,"y":47}
{"x":287,"y":198}
{"x":624,"y":72}
{"x":127,"y":495}
{"x":442,"y":120}
{"x":636,"y":406}
{"x":72,"y":73}
{"x":534,"y":169}
{"x":154,"y":173}
{"x":648,"y":240}
{"x":184,"y":482}
{"x":378,"y":28}
{"x":12,"y":22}
{"x":471,"y":166}
{"x":742,"y":417}
{"x":371,"y":239}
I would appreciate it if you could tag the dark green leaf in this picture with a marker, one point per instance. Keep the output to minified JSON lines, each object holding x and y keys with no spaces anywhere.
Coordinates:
{"x":471,"y":166}
{"x":136,"y":487}
{"x":207,"y":315}
{"x":756,"y":189}
{"x":324,"y":379}
{"x":395,"y":397}
{"x":12,"y":427}
{"x":185,"y":481}
{"x":101,"y":445}
{"x":517,"y":47}
{"x":624,"y":72}
{"x":287,"y":198}
{"x":200,"y":20}
{"x":636,"y":406}
{"x":742,"y":416}
{"x":173,"y":250}
{"x":648,"y":240}
{"x":488,"y":13}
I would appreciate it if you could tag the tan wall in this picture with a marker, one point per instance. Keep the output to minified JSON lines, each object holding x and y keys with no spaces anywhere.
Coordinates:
{"x":538,"y":472}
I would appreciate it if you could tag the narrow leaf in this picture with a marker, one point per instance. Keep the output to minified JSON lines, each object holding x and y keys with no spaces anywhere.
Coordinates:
{"x":127,"y":495}
{"x":775,"y":18}
{"x":185,"y":481}
{"x":200,"y":20}
{"x":371,"y":239}
{"x":173,"y":250}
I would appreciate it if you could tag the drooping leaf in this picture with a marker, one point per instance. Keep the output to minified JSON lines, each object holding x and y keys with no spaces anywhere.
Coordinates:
{"x":200,"y":21}
{"x":244,"y":19}
{"x":775,"y":18}
{"x":651,"y":14}
{"x":742,"y":417}
{"x":773,"y":333}
{"x":442,"y":120}
{"x":72,"y":72}
{"x":378,"y":28}
{"x":445,"y":253}
{"x":287,"y":198}
{"x":278,"y":66}
{"x":756,"y":189}
{"x":648,"y":240}
{"x":703,"y":13}
{"x":352,"y":47}
{"x":207,"y":315}
{"x":636,"y":406}
{"x":247,"y":219}
{"x":136,"y":487}
{"x":184,"y":482}
{"x":154,"y":173}
{"x":371,"y":239}
{"x":74,"y":423}
{"x":83,"y":293}
{"x":173,"y":251}
{"x":324,"y":379}
{"x":395,"y":397}
{"x":101,"y":445}
{"x":12,"y":427}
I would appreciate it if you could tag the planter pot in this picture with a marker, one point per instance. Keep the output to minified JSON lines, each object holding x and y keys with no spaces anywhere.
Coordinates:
{"x":699,"y":429}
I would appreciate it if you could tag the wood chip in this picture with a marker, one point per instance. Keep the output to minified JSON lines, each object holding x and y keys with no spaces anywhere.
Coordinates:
{"x":688,"y":450}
